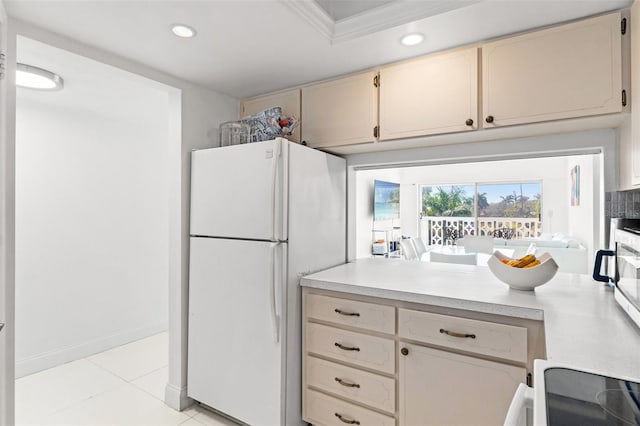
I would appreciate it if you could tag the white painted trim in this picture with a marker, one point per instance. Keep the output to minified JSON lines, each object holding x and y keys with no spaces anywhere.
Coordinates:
{"x":176,"y":397}
{"x":66,"y":354}
{"x":574,"y":143}
{"x":392,"y":15}
{"x":7,"y":221}
{"x":378,"y":19}
{"x":314,"y":15}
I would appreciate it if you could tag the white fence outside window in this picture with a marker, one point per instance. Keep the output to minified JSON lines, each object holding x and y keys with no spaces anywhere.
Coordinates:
{"x":446,"y":230}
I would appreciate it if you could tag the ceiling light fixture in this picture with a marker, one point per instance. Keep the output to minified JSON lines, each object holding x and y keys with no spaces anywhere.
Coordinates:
{"x":183,"y":31}
{"x":37,"y":78}
{"x":412,"y":39}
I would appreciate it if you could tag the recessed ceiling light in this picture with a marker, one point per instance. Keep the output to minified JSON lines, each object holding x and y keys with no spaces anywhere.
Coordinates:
{"x":37,"y":78}
{"x":183,"y":31}
{"x":412,"y":39}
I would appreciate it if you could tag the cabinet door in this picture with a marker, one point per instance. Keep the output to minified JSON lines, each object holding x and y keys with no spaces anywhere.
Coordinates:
{"x":630,"y":140}
{"x":436,"y":94}
{"x":289,"y":101}
{"x":568,"y":71}
{"x":340,"y":112}
{"x":442,"y":388}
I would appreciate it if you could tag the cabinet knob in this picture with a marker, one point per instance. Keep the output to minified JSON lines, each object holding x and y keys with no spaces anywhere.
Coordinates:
{"x":404,"y":351}
{"x":489,"y":119}
{"x":469,"y":122}
{"x":303,"y":143}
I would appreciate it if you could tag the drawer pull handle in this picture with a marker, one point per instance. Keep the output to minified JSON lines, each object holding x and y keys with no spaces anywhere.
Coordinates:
{"x":346,"y":348}
{"x":347,"y":384}
{"x":347,"y":421}
{"x":346,"y":314}
{"x":454,"y":334}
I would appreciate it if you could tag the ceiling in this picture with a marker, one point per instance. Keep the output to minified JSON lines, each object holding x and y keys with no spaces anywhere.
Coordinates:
{"x":249,"y":47}
{"x":91,"y":86}
{"x":341,"y":9}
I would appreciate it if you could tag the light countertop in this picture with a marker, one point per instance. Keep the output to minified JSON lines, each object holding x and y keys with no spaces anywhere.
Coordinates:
{"x":584,"y":326}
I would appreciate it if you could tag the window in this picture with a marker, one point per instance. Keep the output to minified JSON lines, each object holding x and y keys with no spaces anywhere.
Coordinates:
{"x":453,"y":200}
{"x":505,"y":210}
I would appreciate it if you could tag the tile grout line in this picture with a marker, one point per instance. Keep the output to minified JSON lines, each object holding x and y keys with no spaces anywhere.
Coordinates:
{"x":150,"y":372}
{"x":107,"y":370}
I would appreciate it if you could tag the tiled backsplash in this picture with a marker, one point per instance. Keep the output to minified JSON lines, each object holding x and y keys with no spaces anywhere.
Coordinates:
{"x":622,"y":204}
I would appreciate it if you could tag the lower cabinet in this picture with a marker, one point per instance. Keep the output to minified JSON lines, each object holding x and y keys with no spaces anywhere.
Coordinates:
{"x":357,"y":385}
{"x":397,"y":364}
{"x":326,"y":410}
{"x":442,"y":388}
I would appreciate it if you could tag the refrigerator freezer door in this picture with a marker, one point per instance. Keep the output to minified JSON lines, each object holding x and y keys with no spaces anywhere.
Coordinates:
{"x":240,"y":191}
{"x":235,"y":340}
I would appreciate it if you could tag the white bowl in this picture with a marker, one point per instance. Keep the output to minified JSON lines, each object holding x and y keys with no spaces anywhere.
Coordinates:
{"x":523,"y":278}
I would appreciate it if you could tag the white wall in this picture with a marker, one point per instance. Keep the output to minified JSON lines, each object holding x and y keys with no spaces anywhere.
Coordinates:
{"x":195,"y":111}
{"x":585,"y":219}
{"x":551,"y":171}
{"x":364,"y":207}
{"x":91,"y":229}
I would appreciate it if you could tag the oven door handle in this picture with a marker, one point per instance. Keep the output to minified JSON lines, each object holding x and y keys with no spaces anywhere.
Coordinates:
{"x":522,"y":400}
{"x":598,"y":266}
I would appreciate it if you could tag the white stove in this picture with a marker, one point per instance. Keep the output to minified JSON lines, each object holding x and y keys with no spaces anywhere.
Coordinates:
{"x":569,"y":396}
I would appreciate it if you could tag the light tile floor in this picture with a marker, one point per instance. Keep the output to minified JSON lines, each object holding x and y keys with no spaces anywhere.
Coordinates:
{"x":121,"y":386}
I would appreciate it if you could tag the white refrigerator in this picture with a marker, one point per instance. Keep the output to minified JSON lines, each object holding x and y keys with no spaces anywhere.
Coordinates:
{"x":262,"y":215}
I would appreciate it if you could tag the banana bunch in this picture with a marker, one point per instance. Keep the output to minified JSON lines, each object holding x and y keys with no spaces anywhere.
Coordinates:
{"x":529,"y":261}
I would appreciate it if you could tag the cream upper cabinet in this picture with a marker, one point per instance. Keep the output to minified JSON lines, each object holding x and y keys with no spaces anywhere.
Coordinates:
{"x":434,"y":94}
{"x":340,"y":112}
{"x":562,"y":72}
{"x":630,"y":131}
{"x":289,"y":101}
{"x":442,"y":388}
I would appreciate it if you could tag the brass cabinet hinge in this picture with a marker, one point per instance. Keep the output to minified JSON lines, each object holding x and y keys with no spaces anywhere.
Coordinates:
{"x":376,"y":81}
{"x":624,"y":98}
{"x":2,"y":61}
{"x":376,"y":130}
{"x":623,"y":26}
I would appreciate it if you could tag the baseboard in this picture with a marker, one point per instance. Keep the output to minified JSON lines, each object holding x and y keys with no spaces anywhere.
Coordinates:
{"x":176,"y":397}
{"x":66,"y":354}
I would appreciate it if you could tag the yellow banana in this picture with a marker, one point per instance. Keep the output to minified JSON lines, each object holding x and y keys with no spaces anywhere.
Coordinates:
{"x":532,"y":264}
{"x":524,"y":261}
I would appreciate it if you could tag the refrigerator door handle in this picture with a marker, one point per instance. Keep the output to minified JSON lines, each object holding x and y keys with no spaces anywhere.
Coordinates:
{"x":274,"y":293}
{"x":274,"y":187}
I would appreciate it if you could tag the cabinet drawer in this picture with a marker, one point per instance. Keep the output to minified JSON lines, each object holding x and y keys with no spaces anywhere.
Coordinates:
{"x":361,"y":386}
{"x":324,"y":410}
{"x":360,"y":349}
{"x":482,"y":337}
{"x":368,"y":316}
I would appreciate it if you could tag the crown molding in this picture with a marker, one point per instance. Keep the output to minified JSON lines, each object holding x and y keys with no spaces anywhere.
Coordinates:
{"x":379,"y":19}
{"x":392,"y":15}
{"x":315,"y":16}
